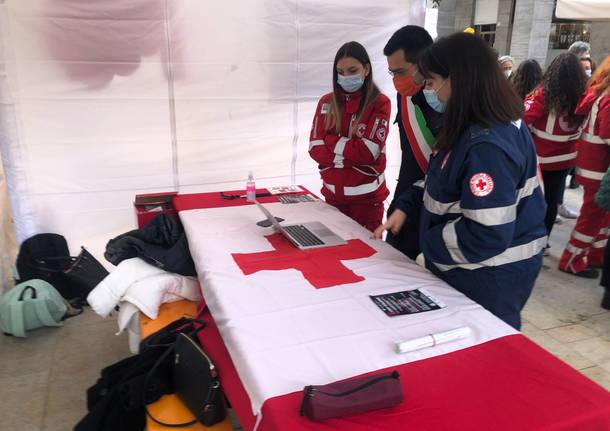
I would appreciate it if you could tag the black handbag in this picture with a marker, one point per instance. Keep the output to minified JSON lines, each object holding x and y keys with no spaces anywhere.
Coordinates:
{"x":195,"y":382}
{"x":47,"y":257}
{"x":85,"y":272}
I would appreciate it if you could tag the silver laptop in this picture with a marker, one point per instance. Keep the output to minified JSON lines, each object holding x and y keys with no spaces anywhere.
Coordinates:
{"x":304,"y":235}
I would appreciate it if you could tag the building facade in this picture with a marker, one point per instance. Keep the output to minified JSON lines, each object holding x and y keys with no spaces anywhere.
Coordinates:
{"x":522,"y":28}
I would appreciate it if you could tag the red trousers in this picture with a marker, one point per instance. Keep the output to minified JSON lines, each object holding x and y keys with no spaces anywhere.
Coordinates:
{"x":589,"y":237}
{"x":367,"y":214}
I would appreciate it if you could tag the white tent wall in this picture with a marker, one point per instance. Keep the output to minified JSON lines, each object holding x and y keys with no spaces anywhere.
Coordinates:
{"x":102,"y":100}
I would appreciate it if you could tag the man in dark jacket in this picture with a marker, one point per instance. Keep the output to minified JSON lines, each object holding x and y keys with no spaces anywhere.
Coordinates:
{"x":417,"y":121}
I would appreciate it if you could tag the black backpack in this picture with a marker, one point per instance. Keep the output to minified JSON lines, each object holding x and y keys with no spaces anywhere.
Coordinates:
{"x":46,"y":256}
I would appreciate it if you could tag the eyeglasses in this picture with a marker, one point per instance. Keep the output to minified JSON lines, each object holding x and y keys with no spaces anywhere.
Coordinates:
{"x":402,"y":71}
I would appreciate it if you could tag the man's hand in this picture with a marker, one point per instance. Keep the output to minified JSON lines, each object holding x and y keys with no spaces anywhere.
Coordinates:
{"x":394,"y":223}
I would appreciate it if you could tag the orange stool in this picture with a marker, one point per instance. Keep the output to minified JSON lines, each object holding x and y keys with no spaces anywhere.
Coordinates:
{"x":169,"y":408}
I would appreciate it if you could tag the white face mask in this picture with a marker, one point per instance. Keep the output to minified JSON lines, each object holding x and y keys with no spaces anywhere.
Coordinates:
{"x":508,"y":73}
{"x":588,"y":73}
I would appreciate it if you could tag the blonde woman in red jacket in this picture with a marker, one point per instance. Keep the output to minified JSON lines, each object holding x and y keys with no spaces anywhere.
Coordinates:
{"x":549,"y":113}
{"x":348,"y":137}
{"x":585,"y":249}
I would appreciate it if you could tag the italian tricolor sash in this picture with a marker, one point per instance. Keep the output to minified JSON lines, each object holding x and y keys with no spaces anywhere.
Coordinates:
{"x":419,"y":135}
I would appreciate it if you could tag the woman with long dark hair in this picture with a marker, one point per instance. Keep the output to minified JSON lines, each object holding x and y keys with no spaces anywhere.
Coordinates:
{"x":585,"y":250}
{"x":348,"y":138}
{"x":549,"y":112}
{"x":482,"y":228}
{"x":527,"y":78}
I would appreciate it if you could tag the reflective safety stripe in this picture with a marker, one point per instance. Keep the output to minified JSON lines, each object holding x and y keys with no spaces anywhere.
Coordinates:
{"x":559,"y":158}
{"x":364,"y":188}
{"x":419,"y":183}
{"x":604,"y":231}
{"x":510,"y":255}
{"x":329,"y":187}
{"x":574,"y":250}
{"x":555,"y":138}
{"x":594,"y":139}
{"x":528,"y":188}
{"x":339,"y":148}
{"x":487,"y":216}
{"x":315,"y":143}
{"x":373,"y":148}
{"x":338,"y":161}
{"x":441,"y":208}
{"x":600,"y":244}
{"x":592,"y":175}
{"x":451,"y":242}
{"x":582,"y":237}
{"x":492,"y":216}
{"x":374,"y":129}
{"x":550,"y":122}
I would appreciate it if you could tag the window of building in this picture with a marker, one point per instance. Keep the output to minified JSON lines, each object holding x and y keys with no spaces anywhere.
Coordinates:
{"x":487,"y":32}
{"x":564,"y":34}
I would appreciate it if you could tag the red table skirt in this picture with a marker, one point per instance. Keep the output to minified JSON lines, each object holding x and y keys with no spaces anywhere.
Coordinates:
{"x":506,"y":384}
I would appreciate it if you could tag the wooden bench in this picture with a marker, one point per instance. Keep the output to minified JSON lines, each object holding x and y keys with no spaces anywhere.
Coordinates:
{"x":169,"y":408}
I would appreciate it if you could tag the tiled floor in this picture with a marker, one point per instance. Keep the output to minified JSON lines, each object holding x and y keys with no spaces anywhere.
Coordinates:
{"x":43,"y":378}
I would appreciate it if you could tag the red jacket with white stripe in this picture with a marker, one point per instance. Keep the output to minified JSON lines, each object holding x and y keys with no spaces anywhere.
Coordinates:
{"x":352,"y":165}
{"x":594,"y":144}
{"x":555,"y":136}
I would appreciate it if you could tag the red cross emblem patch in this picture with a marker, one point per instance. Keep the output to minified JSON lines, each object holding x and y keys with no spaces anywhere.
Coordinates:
{"x":481,"y":184}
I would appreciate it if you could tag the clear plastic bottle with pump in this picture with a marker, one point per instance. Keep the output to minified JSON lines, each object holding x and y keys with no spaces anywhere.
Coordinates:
{"x":250,"y":188}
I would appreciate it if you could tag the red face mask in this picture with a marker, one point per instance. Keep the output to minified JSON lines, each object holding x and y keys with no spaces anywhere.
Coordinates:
{"x":406,"y":86}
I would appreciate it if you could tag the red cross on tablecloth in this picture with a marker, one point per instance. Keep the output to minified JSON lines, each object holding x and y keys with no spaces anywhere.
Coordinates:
{"x":322,"y":267}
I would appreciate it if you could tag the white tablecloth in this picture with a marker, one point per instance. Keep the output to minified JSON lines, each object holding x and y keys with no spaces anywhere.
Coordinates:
{"x":283,"y":333}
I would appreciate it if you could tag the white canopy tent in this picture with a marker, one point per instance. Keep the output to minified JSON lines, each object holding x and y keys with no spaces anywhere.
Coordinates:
{"x":102,"y":100}
{"x":586,"y":10}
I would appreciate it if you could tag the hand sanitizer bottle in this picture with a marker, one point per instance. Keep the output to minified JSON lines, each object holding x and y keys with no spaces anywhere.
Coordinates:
{"x":250,"y":188}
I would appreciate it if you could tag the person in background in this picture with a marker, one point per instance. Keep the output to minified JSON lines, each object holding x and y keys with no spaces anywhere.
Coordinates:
{"x":348,"y":137}
{"x":527,"y":77}
{"x":506,"y":64}
{"x":549,"y":113}
{"x":418,"y":123}
{"x":482,"y":221}
{"x":585,"y":250}
{"x":589,"y":65}
{"x":580,"y":49}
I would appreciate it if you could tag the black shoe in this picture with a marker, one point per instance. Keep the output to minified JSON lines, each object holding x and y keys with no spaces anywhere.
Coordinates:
{"x":573,"y":184}
{"x":606,"y":300}
{"x":587,"y":273}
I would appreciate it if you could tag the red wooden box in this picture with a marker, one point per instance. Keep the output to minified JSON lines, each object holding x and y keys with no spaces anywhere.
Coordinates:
{"x":147,"y":206}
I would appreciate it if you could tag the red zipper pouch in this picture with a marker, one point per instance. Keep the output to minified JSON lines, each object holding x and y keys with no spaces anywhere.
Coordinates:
{"x":350,"y":397}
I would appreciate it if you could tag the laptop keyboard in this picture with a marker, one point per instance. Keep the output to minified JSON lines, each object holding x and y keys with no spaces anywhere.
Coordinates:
{"x":302,"y":235}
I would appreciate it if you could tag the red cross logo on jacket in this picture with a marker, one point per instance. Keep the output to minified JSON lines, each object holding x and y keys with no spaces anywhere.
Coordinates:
{"x":322,"y":267}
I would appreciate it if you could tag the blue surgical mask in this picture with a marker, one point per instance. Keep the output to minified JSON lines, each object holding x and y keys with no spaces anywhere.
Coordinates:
{"x":350,"y":83}
{"x":432,"y":99}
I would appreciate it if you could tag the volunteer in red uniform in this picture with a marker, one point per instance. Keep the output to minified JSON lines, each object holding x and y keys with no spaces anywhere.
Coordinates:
{"x":549,"y":113}
{"x":348,"y":138}
{"x":586,"y":246}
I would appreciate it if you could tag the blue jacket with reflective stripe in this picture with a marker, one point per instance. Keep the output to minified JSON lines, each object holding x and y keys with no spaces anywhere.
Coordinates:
{"x":483,"y":206}
{"x":482,"y":221}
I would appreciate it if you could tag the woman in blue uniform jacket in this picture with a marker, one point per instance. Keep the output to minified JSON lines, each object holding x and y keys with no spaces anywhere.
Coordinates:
{"x":482,"y":221}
